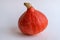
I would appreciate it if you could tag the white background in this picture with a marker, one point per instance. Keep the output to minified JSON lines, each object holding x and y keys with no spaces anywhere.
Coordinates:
{"x":10,"y":11}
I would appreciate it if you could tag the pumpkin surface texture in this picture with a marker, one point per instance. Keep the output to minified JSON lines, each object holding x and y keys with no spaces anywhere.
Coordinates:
{"x":32,"y":21}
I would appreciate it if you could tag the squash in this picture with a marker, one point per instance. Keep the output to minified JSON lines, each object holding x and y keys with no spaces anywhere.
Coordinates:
{"x":32,"y":21}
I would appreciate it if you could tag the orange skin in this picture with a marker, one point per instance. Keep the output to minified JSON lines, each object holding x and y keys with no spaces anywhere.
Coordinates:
{"x":32,"y":22}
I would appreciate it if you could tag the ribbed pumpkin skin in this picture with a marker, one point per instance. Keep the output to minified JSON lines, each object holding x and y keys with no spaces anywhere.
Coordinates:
{"x":32,"y":22}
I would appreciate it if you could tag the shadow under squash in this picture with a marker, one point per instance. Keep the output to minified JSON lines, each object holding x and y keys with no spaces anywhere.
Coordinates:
{"x":14,"y":31}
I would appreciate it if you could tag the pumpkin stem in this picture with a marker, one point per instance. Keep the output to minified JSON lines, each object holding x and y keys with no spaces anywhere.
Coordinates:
{"x":28,"y":5}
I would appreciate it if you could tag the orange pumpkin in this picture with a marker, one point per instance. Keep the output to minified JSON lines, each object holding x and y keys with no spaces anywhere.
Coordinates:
{"x":32,"y":21}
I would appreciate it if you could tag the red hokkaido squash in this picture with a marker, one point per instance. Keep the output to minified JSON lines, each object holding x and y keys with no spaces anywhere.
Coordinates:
{"x":32,"y":21}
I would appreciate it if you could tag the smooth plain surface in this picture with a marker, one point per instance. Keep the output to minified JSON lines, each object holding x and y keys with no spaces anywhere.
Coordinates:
{"x":11,"y":10}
